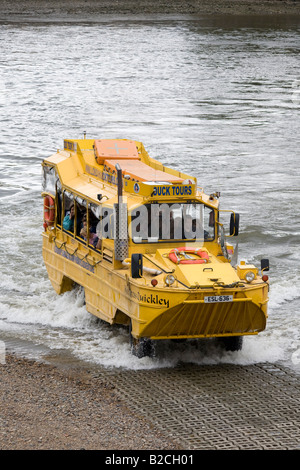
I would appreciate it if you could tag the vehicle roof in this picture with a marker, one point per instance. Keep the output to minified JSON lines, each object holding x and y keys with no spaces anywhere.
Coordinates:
{"x":88,"y":167}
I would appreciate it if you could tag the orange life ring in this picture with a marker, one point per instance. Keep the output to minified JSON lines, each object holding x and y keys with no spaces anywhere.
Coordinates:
{"x":174,"y":256}
{"x":49,"y":210}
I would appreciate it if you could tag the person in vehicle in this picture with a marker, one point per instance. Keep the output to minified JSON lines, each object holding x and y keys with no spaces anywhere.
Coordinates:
{"x":93,"y":239}
{"x":68,"y":222}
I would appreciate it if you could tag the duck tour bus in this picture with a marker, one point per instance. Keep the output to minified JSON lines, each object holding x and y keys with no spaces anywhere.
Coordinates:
{"x":148,"y":246}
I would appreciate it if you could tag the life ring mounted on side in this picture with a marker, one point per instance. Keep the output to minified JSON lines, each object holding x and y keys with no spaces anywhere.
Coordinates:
{"x":174,"y":256}
{"x":49,"y":211}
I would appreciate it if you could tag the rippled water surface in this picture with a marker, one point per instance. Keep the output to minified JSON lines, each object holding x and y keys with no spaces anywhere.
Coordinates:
{"x":215,"y":98}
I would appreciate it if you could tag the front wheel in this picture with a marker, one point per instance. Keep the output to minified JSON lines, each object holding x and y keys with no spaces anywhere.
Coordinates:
{"x":141,"y":347}
{"x":231,"y":343}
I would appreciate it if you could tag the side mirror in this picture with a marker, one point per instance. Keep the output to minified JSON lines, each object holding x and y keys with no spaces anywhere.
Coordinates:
{"x":264,"y":264}
{"x":136,"y":265}
{"x":234,"y":224}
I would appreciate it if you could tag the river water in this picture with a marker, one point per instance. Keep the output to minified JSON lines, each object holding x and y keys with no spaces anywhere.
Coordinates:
{"x":215,"y":97}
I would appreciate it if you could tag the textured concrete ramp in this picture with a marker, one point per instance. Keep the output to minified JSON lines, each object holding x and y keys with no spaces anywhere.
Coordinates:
{"x":217,"y":407}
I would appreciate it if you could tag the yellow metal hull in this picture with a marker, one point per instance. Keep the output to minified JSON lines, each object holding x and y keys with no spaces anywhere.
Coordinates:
{"x":195,"y":319}
{"x":154,"y":313}
{"x":147,"y":245}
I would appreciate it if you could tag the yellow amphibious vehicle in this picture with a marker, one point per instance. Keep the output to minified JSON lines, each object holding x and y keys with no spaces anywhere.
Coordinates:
{"x":147,"y":245}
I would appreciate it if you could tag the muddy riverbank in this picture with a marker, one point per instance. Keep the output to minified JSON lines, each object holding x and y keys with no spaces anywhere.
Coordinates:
{"x":44,"y":407}
{"x":67,"y":406}
{"x":192,"y":7}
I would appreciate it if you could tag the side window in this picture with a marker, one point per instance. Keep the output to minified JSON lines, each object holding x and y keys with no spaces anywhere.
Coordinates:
{"x":88,"y":224}
{"x":69,"y":212}
{"x":59,"y":203}
{"x":81,"y":215}
{"x":49,"y":179}
{"x":95,"y":235}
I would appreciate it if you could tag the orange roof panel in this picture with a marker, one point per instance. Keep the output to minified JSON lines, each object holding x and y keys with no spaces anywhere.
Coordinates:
{"x":115,"y":149}
{"x":139,"y":171}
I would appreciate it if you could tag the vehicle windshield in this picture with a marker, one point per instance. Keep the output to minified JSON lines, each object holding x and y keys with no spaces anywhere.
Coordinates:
{"x":161,"y":222}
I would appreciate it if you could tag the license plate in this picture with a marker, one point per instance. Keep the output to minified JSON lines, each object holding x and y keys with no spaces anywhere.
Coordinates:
{"x":218,"y":298}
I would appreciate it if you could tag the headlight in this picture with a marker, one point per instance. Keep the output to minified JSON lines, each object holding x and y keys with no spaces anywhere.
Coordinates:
{"x":170,"y":279}
{"x":250,"y":276}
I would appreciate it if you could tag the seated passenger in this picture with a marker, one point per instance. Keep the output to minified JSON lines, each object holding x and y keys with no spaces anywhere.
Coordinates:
{"x":84,"y":222}
{"x":94,"y":240}
{"x":68,"y":222}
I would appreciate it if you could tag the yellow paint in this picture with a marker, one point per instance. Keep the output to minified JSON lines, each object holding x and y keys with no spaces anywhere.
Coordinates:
{"x":180,"y":310}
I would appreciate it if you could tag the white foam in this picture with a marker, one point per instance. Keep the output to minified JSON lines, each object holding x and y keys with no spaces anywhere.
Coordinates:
{"x":283,"y":290}
{"x":63,"y":322}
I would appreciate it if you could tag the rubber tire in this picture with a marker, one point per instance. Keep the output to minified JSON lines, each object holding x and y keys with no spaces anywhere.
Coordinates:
{"x":141,"y":347}
{"x":231,"y":343}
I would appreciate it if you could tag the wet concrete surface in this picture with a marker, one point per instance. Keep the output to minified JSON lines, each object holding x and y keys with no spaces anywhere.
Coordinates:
{"x":211,"y":407}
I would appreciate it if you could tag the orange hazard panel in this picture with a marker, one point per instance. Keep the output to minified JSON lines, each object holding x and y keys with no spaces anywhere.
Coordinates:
{"x":139,"y":171}
{"x":115,"y":149}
